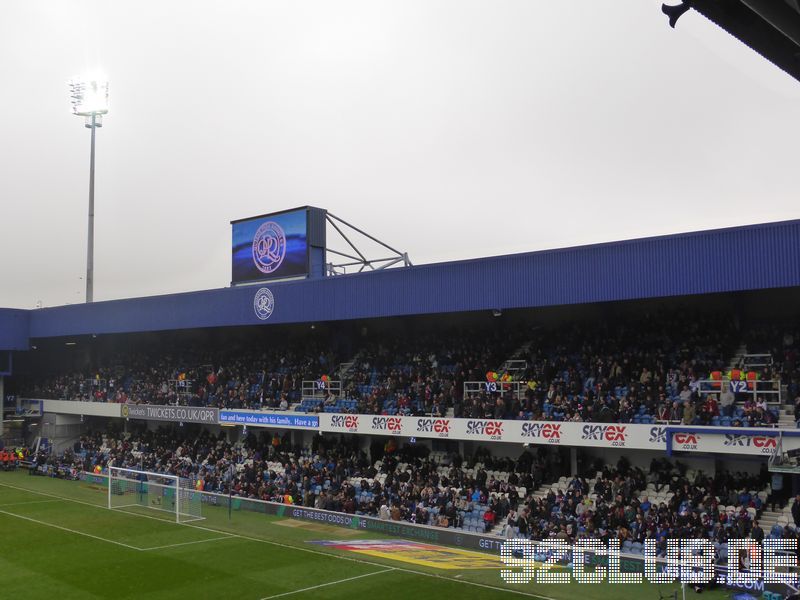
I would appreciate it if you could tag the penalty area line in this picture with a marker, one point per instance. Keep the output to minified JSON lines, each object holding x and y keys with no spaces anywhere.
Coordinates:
{"x":322,"y":585}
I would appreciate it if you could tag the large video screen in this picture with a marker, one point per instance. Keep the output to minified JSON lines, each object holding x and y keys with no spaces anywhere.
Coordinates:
{"x":270,"y":247}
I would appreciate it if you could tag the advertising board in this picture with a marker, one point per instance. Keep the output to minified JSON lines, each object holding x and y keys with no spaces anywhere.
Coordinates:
{"x":262,"y":419}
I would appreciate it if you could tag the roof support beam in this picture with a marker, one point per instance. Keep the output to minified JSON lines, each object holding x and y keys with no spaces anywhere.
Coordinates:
{"x":779,"y":15}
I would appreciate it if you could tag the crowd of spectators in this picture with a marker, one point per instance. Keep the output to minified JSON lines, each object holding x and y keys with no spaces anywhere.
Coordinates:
{"x":614,"y":504}
{"x":447,"y":490}
{"x":616,"y":371}
{"x":241,"y":378}
{"x":328,"y":475}
{"x":637,"y":369}
{"x":781,"y":343}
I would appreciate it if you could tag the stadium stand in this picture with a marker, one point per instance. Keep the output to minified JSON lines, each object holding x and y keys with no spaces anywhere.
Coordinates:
{"x":646,"y":368}
{"x":238,"y":379}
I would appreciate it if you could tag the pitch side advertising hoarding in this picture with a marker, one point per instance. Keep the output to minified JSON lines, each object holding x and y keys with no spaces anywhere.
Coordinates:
{"x":270,"y":247}
{"x":764,"y":442}
{"x":498,"y":430}
{"x":599,"y":435}
{"x":661,"y":437}
{"x":175,"y":414}
{"x":262,"y":419}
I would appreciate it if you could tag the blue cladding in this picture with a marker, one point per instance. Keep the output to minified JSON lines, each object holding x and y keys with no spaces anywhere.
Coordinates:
{"x":14,"y":325}
{"x":726,"y":260}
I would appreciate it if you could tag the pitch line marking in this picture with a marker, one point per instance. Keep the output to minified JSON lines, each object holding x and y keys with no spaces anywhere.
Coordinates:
{"x":76,"y":532}
{"x":63,"y":499}
{"x":26,"y":503}
{"x":322,"y":585}
{"x":299,"y":548}
{"x":225,"y":537}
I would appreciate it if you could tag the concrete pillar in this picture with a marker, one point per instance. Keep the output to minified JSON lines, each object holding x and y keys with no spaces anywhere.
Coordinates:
{"x":573,"y":462}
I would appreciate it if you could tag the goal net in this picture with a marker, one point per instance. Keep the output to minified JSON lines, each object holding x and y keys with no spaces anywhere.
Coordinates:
{"x":168,"y":494}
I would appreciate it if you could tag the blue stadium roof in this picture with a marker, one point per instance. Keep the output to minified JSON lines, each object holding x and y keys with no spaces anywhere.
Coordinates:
{"x":724,"y":260}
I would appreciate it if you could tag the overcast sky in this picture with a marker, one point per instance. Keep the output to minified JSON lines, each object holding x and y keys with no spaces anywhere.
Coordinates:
{"x":450,"y":129}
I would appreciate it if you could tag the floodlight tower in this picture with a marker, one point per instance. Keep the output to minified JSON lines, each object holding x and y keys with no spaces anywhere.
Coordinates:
{"x":89,"y":97}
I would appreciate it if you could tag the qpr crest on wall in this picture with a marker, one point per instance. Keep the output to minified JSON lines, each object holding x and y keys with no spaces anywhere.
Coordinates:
{"x":269,"y":247}
{"x":263,"y":304}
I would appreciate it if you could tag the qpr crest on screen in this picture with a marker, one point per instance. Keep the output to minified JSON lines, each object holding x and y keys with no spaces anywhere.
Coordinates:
{"x":269,"y":247}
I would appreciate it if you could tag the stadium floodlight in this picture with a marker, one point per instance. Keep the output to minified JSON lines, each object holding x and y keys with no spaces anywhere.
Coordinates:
{"x":89,"y":98}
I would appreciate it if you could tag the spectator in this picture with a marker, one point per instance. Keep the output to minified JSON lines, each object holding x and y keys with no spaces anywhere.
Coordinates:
{"x":795,"y":510}
{"x":488,"y":520}
{"x":685,"y":395}
{"x":688,"y":413}
{"x":757,"y":533}
{"x":710,"y":409}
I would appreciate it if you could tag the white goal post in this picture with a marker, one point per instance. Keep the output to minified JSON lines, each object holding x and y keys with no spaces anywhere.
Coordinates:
{"x":156,"y":491}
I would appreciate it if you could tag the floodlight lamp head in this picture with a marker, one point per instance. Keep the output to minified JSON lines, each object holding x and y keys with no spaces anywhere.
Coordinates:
{"x":89,"y":96}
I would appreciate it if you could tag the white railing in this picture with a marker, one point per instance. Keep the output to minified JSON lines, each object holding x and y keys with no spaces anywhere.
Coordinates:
{"x":770,"y":389}
{"x":94,"y":383}
{"x":755,"y":361}
{"x":318,"y":390}
{"x":476,"y":388}
{"x":184,"y":388}
{"x":514,"y":364}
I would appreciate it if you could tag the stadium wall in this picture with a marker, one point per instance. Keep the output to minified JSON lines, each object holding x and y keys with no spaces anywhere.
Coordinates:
{"x":725,"y":260}
{"x":68,"y":407}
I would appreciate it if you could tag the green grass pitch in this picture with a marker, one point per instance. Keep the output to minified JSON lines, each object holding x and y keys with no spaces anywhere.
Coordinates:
{"x":59,"y":541}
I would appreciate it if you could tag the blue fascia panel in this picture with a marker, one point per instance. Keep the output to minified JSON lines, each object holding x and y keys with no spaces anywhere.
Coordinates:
{"x":726,"y":260}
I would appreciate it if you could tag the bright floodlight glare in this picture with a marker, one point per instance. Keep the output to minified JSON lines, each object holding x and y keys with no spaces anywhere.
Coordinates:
{"x":89,"y":97}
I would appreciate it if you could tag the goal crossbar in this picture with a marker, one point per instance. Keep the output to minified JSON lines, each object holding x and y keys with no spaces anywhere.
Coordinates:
{"x":155,"y":491}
